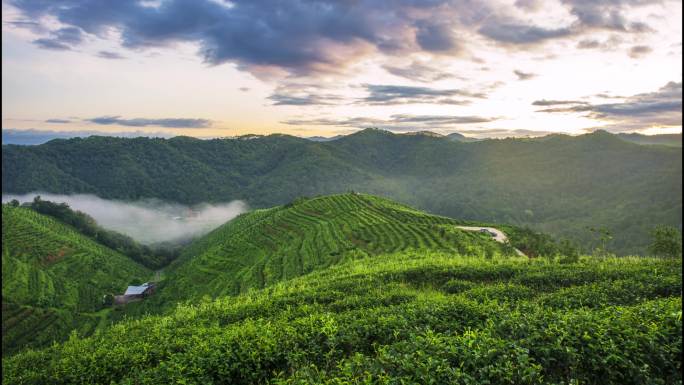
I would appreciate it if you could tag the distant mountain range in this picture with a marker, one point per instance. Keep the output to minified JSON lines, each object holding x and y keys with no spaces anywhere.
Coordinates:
{"x":558,"y":184}
{"x":664,"y":139}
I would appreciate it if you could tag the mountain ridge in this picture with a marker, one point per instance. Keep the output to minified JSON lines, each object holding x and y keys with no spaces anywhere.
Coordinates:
{"x":501,"y":180}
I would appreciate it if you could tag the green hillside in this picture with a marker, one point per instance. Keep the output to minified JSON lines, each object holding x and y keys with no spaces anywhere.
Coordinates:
{"x":558,"y":184}
{"x":408,"y":317}
{"x":54,"y":278}
{"x":265,"y":246}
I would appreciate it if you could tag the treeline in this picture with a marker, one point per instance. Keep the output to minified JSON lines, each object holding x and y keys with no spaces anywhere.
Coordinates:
{"x":151,"y":257}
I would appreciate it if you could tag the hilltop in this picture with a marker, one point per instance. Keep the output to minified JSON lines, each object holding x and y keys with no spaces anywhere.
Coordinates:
{"x":54,"y":279}
{"x":266,"y":246}
{"x":559,"y":184}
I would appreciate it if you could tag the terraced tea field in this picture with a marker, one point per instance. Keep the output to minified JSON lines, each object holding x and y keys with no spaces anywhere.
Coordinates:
{"x":265,"y":246}
{"x":51,"y":274}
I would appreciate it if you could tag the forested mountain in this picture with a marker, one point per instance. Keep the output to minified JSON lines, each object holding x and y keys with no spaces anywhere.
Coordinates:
{"x":557,"y":184}
{"x":663,"y":139}
{"x":54,"y":279}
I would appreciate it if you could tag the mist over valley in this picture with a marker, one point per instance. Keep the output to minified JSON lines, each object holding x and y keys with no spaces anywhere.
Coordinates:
{"x":148,"y":221}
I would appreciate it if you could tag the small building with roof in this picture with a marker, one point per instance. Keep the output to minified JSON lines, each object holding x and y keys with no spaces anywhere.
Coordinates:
{"x":133,"y":293}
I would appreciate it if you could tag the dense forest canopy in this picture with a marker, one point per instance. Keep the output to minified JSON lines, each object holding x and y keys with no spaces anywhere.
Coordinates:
{"x":558,"y":184}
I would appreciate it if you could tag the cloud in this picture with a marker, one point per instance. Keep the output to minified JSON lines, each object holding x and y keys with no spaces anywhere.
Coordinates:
{"x":303,"y":94}
{"x":62,"y":39}
{"x":528,"y":5}
{"x":51,"y":44}
{"x":660,"y":108}
{"x":512,"y":33}
{"x":147,"y":221}
{"x":110,"y":55}
{"x":419,"y":72}
{"x":299,"y":37}
{"x":379,"y":94}
{"x":34,"y":137}
{"x":143,"y":122}
{"x":524,"y":75}
{"x":59,"y":121}
{"x":608,"y":14}
{"x":612,"y":43}
{"x":639,"y":51}
{"x":397,"y":122}
{"x":545,"y":102}
{"x":27,"y":24}
{"x":439,"y":119}
{"x":435,"y":37}
{"x":304,"y":37}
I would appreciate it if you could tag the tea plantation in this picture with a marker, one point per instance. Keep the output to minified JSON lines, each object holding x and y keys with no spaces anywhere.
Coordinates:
{"x":406,"y":317}
{"x":341,"y":289}
{"x":266,"y":246}
{"x":54,"y":278}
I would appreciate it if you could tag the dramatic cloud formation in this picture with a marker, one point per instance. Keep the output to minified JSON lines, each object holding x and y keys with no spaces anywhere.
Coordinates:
{"x":142,"y":122}
{"x":303,"y":37}
{"x":330,"y":60}
{"x":147,"y":221}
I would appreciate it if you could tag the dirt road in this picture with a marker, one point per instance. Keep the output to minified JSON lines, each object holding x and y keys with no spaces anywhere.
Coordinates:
{"x":498,"y":236}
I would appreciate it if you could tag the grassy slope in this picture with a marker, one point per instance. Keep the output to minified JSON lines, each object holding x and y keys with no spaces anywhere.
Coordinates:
{"x":557,"y":184}
{"x":409,"y":317}
{"x":266,"y":246}
{"x":53,"y":278}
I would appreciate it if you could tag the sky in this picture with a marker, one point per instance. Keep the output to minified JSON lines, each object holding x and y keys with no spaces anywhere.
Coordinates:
{"x":214,"y":68}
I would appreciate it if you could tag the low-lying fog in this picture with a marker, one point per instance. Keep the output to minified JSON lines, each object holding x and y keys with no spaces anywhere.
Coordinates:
{"x":147,"y":221}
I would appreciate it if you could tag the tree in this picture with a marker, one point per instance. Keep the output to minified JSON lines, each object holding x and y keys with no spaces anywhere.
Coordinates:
{"x":604,"y":236}
{"x":14,"y":203}
{"x":667,"y":242}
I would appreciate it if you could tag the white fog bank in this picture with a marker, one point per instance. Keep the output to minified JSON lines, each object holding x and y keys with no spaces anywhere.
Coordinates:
{"x":147,"y":221}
